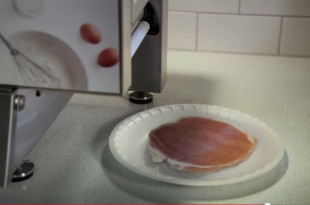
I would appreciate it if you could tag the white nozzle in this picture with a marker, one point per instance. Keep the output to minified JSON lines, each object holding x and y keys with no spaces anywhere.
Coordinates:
{"x":138,"y":36}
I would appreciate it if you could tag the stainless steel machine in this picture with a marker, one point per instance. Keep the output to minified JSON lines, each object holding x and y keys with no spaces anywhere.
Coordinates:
{"x":45,"y":58}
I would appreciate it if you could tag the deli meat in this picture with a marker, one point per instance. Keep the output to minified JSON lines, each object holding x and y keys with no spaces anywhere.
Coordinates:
{"x":199,"y":145}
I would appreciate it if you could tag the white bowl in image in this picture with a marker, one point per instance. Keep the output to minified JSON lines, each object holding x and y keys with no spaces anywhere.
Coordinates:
{"x":65,"y":69}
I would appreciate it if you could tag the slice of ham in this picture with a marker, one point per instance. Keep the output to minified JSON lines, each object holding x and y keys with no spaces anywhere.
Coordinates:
{"x":200,"y":145}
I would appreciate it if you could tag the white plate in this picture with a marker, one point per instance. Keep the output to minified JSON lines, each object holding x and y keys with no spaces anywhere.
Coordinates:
{"x":129,"y":139}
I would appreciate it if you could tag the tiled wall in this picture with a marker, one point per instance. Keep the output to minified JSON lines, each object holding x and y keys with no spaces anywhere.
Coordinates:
{"x":268,"y":27}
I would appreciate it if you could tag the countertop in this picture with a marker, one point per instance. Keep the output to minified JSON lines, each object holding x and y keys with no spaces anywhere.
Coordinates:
{"x":74,"y":163}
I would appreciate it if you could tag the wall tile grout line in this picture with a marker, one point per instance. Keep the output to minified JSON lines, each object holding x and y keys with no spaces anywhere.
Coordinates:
{"x":269,"y":15}
{"x":241,"y":14}
{"x":239,"y":53}
{"x":205,"y":12}
{"x":280,"y":36}
{"x":186,"y":12}
{"x":239,"y":8}
{"x":227,"y":52}
{"x":197,"y":30}
{"x":181,"y":49}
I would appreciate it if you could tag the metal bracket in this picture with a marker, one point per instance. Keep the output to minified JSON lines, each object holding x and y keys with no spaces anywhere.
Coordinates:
{"x":25,"y":115}
{"x":7,"y":133}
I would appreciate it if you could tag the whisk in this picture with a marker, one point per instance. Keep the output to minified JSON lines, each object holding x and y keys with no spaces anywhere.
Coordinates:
{"x":27,"y":67}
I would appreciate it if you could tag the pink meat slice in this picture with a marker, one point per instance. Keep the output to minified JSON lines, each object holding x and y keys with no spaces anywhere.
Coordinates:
{"x":201,"y":145}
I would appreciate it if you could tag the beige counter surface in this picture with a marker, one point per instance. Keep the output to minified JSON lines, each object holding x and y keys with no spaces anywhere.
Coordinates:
{"x":74,"y":163}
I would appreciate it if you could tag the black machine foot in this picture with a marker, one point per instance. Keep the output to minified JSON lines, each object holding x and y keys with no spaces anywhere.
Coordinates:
{"x":140,"y":97}
{"x":24,"y":171}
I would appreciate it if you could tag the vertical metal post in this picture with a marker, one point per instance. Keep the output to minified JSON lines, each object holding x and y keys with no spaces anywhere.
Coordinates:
{"x":149,"y":65}
{"x":7,"y":129}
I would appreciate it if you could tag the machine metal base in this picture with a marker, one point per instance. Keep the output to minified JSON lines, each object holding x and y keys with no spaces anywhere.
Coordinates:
{"x":140,"y":97}
{"x":23,"y":172}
